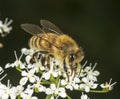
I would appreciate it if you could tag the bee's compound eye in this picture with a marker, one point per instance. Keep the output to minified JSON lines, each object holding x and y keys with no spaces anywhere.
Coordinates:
{"x":72,"y":57}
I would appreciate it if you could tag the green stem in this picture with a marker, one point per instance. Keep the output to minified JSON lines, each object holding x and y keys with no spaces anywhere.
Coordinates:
{"x":96,"y":91}
{"x":48,"y":97}
{"x":100,"y":91}
{"x":68,"y":97}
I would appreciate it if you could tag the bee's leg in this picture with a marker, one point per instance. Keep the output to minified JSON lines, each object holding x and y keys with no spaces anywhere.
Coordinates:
{"x":75,"y":68}
{"x":39,"y":56}
{"x":65,"y":68}
{"x":48,"y":61}
{"x":34,"y":57}
{"x":43,"y":59}
{"x":72,"y":69}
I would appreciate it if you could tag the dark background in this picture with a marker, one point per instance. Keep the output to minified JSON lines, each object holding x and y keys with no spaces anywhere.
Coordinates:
{"x":94,"y":24}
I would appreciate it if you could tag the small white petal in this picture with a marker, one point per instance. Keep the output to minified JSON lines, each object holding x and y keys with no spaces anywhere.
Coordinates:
{"x":69,"y":87}
{"x":84,"y":96}
{"x":27,"y":59}
{"x":85,"y":80}
{"x":94,"y":86}
{"x":96,"y":73}
{"x":23,"y":81}
{"x":77,"y":80}
{"x":41,"y":88}
{"x":8,"y":65}
{"x":75,"y":86}
{"x":32,"y":79}
{"x":63,"y":82}
{"x":52,"y":86}
{"x":42,"y":68}
{"x":34,"y":97}
{"x":62,"y":89}
{"x":46,"y":75}
{"x":25,"y":51}
{"x":48,"y":91}
{"x":5,"y":96}
{"x":52,"y":97}
{"x":82,"y":86}
{"x":63,"y":94}
{"x":1,"y":69}
{"x":55,"y":74}
{"x":87,"y":69}
{"x":87,"y":89}
{"x":22,"y":66}
{"x":30,"y":66}
{"x":24,"y":73}
{"x":102,"y":85}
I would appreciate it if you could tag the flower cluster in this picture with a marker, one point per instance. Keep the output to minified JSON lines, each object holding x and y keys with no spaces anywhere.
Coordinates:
{"x":5,"y":28}
{"x":50,"y":78}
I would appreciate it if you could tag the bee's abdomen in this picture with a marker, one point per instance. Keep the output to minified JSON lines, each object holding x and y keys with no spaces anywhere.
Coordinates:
{"x":36,"y":43}
{"x":42,"y":42}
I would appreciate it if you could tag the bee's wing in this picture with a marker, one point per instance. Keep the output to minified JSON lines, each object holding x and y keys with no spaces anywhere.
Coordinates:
{"x":47,"y":26}
{"x":31,"y":28}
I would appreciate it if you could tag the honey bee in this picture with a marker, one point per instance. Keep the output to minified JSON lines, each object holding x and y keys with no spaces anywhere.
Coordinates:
{"x":50,"y":39}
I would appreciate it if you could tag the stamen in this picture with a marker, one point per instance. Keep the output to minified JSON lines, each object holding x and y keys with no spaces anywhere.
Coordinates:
{"x":94,"y":66}
{"x":3,"y":77}
{"x":15,"y":55}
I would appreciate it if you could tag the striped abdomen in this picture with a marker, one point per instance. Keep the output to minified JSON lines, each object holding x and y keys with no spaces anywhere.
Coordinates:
{"x":43,"y":41}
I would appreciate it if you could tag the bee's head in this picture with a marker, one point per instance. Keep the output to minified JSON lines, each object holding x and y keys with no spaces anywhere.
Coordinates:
{"x":75,"y":57}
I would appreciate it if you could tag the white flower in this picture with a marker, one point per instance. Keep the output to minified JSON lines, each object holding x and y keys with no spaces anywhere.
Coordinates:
{"x":26,"y":51}
{"x":5,"y":27}
{"x":39,"y":86}
{"x":84,"y":96}
{"x":59,"y":91}
{"x":27,"y":94}
{"x":16,"y":63}
{"x":38,"y":66}
{"x":63,"y":82}
{"x":87,"y":84}
{"x":23,"y":81}
{"x":107,"y":85}
{"x":48,"y":91}
{"x":19,"y":89}
{"x":27,"y":76}
{"x":74,"y":84}
{"x":46,"y":75}
{"x":56,"y":91}
{"x":90,"y":73}
{"x":7,"y":92}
